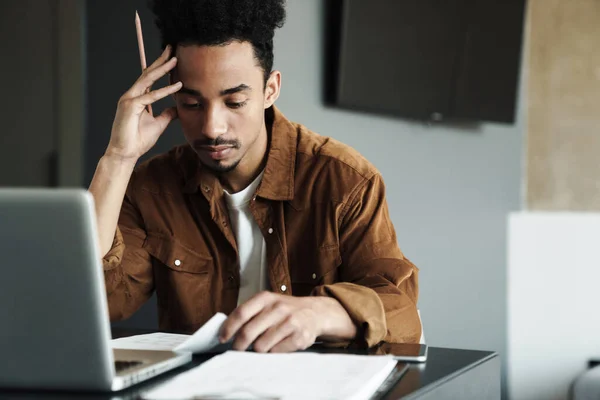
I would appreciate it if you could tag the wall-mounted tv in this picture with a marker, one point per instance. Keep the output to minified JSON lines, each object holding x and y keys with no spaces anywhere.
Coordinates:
{"x":425,"y":59}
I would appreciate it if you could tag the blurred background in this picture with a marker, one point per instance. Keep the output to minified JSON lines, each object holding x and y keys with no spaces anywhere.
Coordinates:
{"x":482,"y":117}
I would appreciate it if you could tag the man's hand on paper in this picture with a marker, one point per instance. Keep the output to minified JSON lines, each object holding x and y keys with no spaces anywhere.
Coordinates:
{"x":276,"y":323}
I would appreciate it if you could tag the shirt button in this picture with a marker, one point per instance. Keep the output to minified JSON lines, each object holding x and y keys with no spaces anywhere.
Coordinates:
{"x":230,"y":277}
{"x":314,"y":276}
{"x":283,"y":288}
{"x":270,"y":230}
{"x":177,"y":263}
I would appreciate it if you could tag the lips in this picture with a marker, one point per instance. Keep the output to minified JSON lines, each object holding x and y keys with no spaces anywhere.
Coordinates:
{"x":216,"y":152}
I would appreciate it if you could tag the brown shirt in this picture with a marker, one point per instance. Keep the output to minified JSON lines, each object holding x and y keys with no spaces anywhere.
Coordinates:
{"x":322,"y":211}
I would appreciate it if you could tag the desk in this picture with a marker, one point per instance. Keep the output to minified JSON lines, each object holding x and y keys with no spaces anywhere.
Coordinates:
{"x":447,"y":374}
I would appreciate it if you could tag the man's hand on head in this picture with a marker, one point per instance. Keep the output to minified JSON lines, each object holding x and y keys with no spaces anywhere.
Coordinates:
{"x":276,"y":323}
{"x":135,"y":130}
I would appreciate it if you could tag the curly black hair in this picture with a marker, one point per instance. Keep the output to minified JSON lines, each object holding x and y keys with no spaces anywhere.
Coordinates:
{"x":219,"y":22}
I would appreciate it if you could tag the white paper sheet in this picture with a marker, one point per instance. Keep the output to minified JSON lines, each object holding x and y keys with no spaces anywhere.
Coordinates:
{"x":246,"y":375}
{"x":204,"y":340}
{"x":151,"y":341}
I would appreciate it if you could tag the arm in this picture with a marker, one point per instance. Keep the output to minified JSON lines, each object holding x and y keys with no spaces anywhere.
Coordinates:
{"x":108,"y":188}
{"x":127,"y":266}
{"x":379,"y":288}
{"x":128,"y":272}
{"x":134,"y":132}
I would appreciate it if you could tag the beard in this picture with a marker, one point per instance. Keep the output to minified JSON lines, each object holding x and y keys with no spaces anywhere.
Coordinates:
{"x":219,"y":167}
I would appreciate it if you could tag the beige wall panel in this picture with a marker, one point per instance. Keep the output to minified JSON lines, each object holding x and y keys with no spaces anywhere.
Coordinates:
{"x":563,"y":145}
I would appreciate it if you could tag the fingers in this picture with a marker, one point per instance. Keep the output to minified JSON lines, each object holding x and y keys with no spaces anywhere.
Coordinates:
{"x":266,"y":319}
{"x":271,"y":323}
{"x":138,"y":104}
{"x":244,"y":313}
{"x":289,"y":335}
{"x":293,"y":342}
{"x":158,"y":94}
{"x":165,"y":118}
{"x":163,"y":58}
{"x":150,"y":76}
{"x":272,"y":337}
{"x":158,"y":69}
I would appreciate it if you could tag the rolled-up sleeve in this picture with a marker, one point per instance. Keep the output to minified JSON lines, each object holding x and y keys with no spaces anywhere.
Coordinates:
{"x":379,"y":286}
{"x":127,"y":266}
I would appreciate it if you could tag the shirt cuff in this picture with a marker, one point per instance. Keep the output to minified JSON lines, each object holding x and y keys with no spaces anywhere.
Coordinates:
{"x":364,"y":307}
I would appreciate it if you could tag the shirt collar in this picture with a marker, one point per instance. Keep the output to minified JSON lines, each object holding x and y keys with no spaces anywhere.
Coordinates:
{"x":278,"y":179}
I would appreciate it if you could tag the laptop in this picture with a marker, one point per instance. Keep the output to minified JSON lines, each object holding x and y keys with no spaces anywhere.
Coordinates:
{"x":55,"y":329}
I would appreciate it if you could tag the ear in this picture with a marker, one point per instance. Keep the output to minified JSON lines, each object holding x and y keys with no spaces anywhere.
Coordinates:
{"x":272,"y":88}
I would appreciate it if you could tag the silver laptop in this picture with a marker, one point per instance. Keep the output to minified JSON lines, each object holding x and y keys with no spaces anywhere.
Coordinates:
{"x":54,"y":324}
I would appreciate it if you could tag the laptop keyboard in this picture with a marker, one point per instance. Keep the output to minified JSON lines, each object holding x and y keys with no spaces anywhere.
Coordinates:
{"x":123,"y":365}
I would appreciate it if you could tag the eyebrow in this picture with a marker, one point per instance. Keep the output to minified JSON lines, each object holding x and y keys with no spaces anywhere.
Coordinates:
{"x":224,"y":92}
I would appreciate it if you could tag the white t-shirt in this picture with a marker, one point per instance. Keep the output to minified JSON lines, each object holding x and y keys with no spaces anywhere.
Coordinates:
{"x":252,"y":249}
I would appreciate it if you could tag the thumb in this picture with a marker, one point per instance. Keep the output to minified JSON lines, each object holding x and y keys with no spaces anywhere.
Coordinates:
{"x":165,"y":117}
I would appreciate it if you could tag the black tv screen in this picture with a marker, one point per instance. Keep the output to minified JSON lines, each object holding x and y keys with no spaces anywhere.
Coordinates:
{"x":425,"y":59}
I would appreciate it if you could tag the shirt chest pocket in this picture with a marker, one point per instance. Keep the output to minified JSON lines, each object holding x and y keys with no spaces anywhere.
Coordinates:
{"x":176,"y":256}
{"x":182,"y":280}
{"x":315,"y":268}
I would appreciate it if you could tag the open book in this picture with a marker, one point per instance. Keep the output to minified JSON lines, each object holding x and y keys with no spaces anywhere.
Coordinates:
{"x":204,"y":340}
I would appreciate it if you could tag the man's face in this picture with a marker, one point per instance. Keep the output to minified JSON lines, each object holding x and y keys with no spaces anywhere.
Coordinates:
{"x":221,"y":104}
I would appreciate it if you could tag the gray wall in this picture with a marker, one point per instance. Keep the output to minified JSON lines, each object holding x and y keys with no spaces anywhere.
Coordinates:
{"x":28,"y":40}
{"x":449,"y":189}
{"x":42,"y":112}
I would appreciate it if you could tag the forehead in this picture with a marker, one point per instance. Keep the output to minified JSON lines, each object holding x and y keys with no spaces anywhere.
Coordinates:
{"x":233,"y":63}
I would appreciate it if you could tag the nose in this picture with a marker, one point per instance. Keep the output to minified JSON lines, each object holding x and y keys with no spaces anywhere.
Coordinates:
{"x":213,"y":124}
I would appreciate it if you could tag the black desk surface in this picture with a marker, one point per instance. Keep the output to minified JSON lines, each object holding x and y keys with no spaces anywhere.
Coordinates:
{"x":442,"y":365}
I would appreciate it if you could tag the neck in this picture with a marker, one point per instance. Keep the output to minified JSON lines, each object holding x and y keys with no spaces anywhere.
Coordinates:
{"x":249,"y":167}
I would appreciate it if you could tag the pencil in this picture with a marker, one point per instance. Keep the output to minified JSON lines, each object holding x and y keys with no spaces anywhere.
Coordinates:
{"x":140,"y":40}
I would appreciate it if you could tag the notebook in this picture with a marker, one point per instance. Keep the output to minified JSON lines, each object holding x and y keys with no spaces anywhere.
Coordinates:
{"x":247,"y":375}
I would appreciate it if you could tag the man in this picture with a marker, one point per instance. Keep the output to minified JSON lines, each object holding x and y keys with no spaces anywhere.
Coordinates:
{"x":284,"y":230}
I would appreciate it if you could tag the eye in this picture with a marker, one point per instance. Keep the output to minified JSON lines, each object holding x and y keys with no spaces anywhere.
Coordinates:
{"x":191,"y":105}
{"x":235,"y":105}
